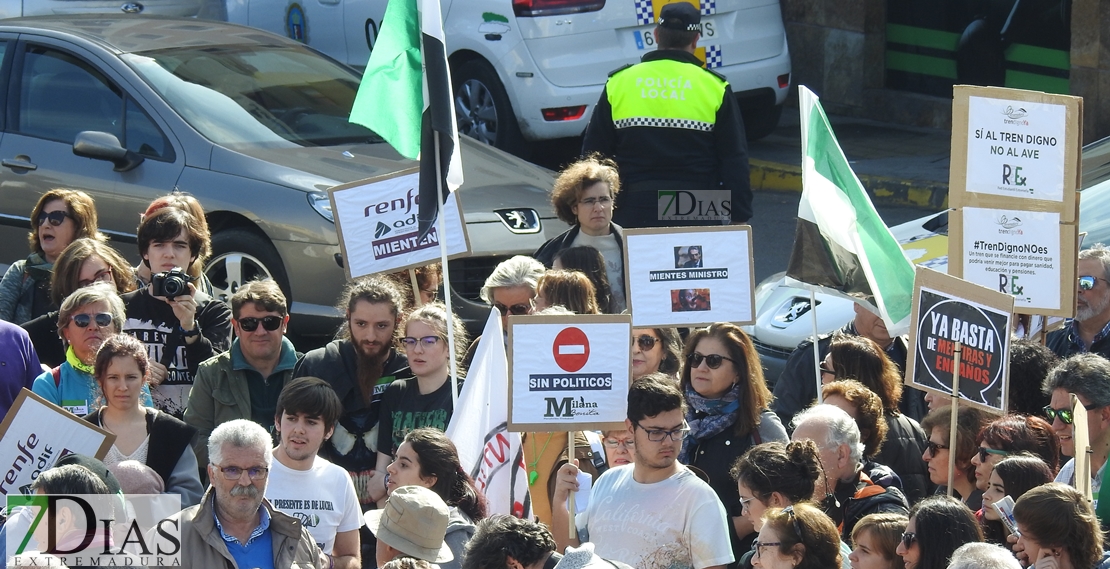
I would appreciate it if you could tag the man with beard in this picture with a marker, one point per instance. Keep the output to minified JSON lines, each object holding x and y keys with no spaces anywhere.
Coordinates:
{"x":654,"y":513}
{"x":1089,"y":330}
{"x":306,"y":486}
{"x":245,"y":381}
{"x":234,"y":525}
{"x":359,"y":366}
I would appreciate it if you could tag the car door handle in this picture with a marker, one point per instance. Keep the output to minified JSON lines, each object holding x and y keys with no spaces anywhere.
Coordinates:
{"x":18,"y":164}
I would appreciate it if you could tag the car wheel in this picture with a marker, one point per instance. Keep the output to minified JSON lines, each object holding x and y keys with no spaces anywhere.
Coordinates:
{"x":760,"y":122}
{"x":483,"y":109}
{"x":238,"y":257}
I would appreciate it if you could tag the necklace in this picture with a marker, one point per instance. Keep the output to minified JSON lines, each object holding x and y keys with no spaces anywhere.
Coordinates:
{"x":532,"y":474}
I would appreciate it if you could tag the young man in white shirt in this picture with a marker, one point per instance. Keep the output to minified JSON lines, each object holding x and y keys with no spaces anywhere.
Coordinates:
{"x":318,"y":493}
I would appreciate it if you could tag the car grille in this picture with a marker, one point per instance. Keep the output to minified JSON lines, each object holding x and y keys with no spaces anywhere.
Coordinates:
{"x":469,"y":274}
{"x":769,"y":350}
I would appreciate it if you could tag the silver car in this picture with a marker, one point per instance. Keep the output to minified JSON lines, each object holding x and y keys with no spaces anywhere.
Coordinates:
{"x":255,"y":126}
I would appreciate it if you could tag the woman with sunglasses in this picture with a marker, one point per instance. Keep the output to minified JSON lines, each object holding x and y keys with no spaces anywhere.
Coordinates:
{"x":1013,"y":476}
{"x":797,"y":537}
{"x":84,"y":262}
{"x":861,"y":359}
{"x":1058,"y":529}
{"x":143,"y":434}
{"x":938,"y":526}
{"x":424,"y":399}
{"x":727,"y":400}
{"x":87,"y":319}
{"x":776,"y":475}
{"x":655,"y":350}
{"x":588,"y":261}
{"x":1010,"y":435}
{"x":969,"y":421}
{"x":583,"y":197}
{"x":59,"y":217}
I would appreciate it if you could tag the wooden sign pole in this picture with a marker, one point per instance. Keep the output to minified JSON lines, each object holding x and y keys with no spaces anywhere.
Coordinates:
{"x":570,"y":499}
{"x":415,"y":288}
{"x":952,"y":423}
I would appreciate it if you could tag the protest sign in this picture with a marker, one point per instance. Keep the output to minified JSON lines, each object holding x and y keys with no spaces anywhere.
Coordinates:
{"x":569,"y":373}
{"x":36,"y":433}
{"x":1029,"y":255}
{"x":1013,"y":148}
{"x":689,"y":276}
{"x":947,"y":310}
{"x":377,"y":227}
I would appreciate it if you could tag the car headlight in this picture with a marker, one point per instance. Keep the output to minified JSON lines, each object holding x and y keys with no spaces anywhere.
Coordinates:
{"x":320,"y":202}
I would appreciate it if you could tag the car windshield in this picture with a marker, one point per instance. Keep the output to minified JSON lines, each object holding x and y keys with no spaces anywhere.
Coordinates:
{"x":256,"y":95}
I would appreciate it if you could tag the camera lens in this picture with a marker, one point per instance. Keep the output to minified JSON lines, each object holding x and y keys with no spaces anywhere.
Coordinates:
{"x":172,"y":286}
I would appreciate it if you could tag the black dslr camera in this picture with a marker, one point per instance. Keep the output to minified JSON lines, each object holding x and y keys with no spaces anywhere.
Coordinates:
{"x":170,"y":284}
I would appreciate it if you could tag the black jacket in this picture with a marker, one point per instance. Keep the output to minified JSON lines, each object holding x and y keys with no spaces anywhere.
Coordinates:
{"x":901,"y":451}
{"x":1063,"y":343}
{"x":169,"y":437}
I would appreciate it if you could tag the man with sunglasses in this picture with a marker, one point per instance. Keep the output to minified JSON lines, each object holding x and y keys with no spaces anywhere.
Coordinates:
{"x":245,"y":381}
{"x":1089,"y":331}
{"x":655,"y":513}
{"x":1086,"y":377}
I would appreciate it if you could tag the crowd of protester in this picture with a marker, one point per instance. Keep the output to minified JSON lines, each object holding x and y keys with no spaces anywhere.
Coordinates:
{"x":212,"y":402}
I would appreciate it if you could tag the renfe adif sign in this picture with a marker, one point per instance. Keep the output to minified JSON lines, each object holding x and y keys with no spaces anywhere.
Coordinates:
{"x":569,"y":372}
{"x":947,"y":310}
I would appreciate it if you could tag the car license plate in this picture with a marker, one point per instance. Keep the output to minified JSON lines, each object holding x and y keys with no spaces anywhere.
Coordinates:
{"x":644,"y":36}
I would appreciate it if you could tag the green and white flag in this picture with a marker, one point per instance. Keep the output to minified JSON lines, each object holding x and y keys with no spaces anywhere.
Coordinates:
{"x":841,"y":245}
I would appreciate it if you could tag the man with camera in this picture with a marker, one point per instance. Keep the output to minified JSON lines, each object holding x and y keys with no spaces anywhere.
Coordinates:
{"x":180,"y":326}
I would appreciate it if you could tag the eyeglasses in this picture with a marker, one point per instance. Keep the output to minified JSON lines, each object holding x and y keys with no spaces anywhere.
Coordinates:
{"x":516,"y":309}
{"x":102,"y":319}
{"x":426,"y":341}
{"x":605,"y":201}
{"x":984,"y":451}
{"x":1087,"y":282}
{"x":908,"y":537}
{"x":758,"y":545}
{"x":235,"y":472}
{"x":646,"y":343}
{"x":933,"y":448}
{"x":270,"y":323}
{"x":433,"y":294}
{"x":103,"y":275}
{"x":660,"y":435}
{"x":614,"y":443}
{"x":55,"y":218}
{"x":1064,"y":414}
{"x":744,"y":503}
{"x":714,"y":361}
{"x":826,"y":370}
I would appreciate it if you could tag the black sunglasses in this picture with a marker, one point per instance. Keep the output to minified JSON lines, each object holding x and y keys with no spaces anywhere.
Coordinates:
{"x":515,"y":310}
{"x":908,"y":537}
{"x":270,"y":323}
{"x":933,"y":448}
{"x":102,"y":320}
{"x":984,"y":451}
{"x":714,"y":361}
{"x":646,"y":343}
{"x":55,"y":218}
{"x":1064,"y":414}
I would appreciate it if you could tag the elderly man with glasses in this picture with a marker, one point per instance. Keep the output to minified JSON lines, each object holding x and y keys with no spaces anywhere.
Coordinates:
{"x":234,"y":525}
{"x":654,"y":513}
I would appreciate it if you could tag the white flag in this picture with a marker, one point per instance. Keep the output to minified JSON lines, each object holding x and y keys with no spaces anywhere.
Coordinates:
{"x":492,"y":455}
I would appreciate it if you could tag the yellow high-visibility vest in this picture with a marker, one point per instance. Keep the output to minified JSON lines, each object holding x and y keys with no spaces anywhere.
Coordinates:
{"x":665,"y":93}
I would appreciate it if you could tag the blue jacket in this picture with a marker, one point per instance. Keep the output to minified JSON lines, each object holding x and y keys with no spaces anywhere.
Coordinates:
{"x":76,"y":391}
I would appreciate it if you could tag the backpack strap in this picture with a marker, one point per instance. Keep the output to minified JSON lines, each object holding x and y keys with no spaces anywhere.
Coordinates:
{"x":57,"y":373}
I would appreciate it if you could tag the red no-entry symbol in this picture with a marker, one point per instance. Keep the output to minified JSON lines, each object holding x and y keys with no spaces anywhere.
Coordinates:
{"x":571,"y":349}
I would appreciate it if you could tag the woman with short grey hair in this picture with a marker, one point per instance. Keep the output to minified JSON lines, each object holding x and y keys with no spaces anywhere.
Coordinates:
{"x":87,"y":319}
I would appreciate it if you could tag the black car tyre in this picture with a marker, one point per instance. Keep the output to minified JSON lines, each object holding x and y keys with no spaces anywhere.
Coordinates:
{"x":240,"y":256}
{"x":760,"y":122}
{"x":483,"y":110}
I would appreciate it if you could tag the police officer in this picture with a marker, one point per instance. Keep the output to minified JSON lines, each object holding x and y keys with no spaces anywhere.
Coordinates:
{"x":675,"y":131}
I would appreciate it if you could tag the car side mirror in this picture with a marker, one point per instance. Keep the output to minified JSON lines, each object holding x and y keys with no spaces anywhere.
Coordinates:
{"x":103,"y":146}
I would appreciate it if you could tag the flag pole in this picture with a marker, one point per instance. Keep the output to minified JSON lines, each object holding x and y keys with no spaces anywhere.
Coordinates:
{"x":446,"y":275}
{"x":816,"y":346}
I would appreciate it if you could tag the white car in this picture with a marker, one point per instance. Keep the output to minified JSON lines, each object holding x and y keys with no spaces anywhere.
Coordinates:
{"x":782,"y":312}
{"x":530,"y":70}
{"x":208,"y":9}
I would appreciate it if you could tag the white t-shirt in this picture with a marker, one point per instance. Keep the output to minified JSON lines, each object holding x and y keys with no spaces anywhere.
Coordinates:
{"x":322,"y":497}
{"x":677,"y":523}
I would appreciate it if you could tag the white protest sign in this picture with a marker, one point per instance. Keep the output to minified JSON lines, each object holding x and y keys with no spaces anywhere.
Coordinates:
{"x":1016,"y":148}
{"x":36,"y":433}
{"x":569,"y":373}
{"x":377,"y":226}
{"x":689,"y":276}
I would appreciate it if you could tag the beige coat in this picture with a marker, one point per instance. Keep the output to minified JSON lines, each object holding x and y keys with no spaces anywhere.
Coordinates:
{"x":203,"y":548}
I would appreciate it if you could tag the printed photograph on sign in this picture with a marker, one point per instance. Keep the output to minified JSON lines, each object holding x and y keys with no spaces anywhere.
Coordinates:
{"x":708,"y":277}
{"x":1016,"y":148}
{"x":569,"y":372}
{"x":377,"y":225}
{"x":943,"y":318}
